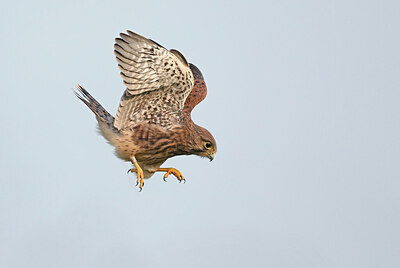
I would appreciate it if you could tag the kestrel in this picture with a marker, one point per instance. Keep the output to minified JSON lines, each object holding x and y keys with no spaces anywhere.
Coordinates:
{"x":153,"y":121}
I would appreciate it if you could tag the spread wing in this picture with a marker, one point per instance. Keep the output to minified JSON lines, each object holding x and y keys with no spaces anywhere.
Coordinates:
{"x":197,"y":94}
{"x":157,"y":80}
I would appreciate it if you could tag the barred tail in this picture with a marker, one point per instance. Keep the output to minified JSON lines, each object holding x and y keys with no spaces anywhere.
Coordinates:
{"x":101,"y":114}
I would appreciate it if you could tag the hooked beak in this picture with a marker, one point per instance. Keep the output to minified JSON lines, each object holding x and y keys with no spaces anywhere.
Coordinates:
{"x":210,"y":156}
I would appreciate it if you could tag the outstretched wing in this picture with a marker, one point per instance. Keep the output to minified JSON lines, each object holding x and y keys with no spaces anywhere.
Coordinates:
{"x":197,"y":94}
{"x":157,"y":80}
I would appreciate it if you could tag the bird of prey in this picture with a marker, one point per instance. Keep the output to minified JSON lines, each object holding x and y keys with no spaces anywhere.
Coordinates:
{"x":153,"y":121}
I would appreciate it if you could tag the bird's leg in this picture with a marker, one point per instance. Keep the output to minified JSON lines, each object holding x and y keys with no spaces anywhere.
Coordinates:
{"x":139,"y":172}
{"x":174,"y":171}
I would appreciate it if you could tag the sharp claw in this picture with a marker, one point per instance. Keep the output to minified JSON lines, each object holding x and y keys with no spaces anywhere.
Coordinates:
{"x":164,"y":179}
{"x":129,"y":170}
{"x":137,"y":183}
{"x":140,"y":189}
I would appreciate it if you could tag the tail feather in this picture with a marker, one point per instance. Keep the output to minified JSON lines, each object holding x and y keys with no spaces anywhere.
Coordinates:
{"x":101,"y":113}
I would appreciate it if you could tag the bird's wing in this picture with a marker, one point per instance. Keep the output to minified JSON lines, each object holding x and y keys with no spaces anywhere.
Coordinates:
{"x":197,"y":94}
{"x":157,"y":80}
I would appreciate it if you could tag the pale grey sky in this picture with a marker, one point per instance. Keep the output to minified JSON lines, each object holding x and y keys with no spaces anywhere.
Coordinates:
{"x":303,"y":100}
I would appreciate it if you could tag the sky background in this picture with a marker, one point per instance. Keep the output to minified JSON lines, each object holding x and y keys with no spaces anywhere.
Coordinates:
{"x":303,"y":100}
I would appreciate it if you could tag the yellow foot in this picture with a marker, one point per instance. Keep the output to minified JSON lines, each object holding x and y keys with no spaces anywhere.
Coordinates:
{"x":140,"y":176}
{"x":173,"y":171}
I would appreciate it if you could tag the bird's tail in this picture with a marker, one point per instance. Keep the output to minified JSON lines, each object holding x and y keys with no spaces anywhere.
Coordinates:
{"x":102,"y":116}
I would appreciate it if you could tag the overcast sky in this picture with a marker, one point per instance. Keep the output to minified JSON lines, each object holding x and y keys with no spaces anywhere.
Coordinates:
{"x":303,"y":100}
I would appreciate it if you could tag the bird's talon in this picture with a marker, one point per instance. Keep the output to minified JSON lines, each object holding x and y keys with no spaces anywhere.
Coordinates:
{"x":140,"y":175}
{"x":173,"y":171}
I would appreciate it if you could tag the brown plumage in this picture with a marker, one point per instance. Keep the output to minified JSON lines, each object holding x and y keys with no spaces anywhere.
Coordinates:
{"x":153,"y":121}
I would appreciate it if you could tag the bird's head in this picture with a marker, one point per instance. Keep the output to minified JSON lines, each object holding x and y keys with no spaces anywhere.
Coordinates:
{"x":204,"y":144}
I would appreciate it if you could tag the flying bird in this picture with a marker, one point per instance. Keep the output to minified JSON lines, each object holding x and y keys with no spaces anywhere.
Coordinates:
{"x":153,"y":121}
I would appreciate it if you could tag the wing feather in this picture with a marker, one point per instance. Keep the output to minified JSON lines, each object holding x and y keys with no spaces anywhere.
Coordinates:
{"x":197,"y":94}
{"x":157,"y":82}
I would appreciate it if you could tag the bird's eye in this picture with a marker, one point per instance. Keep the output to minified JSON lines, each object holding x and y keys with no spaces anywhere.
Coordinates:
{"x":207,"y":145}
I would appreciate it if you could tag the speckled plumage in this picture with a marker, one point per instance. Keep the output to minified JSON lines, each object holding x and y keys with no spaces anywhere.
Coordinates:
{"x":153,"y":121}
{"x":158,"y":82}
